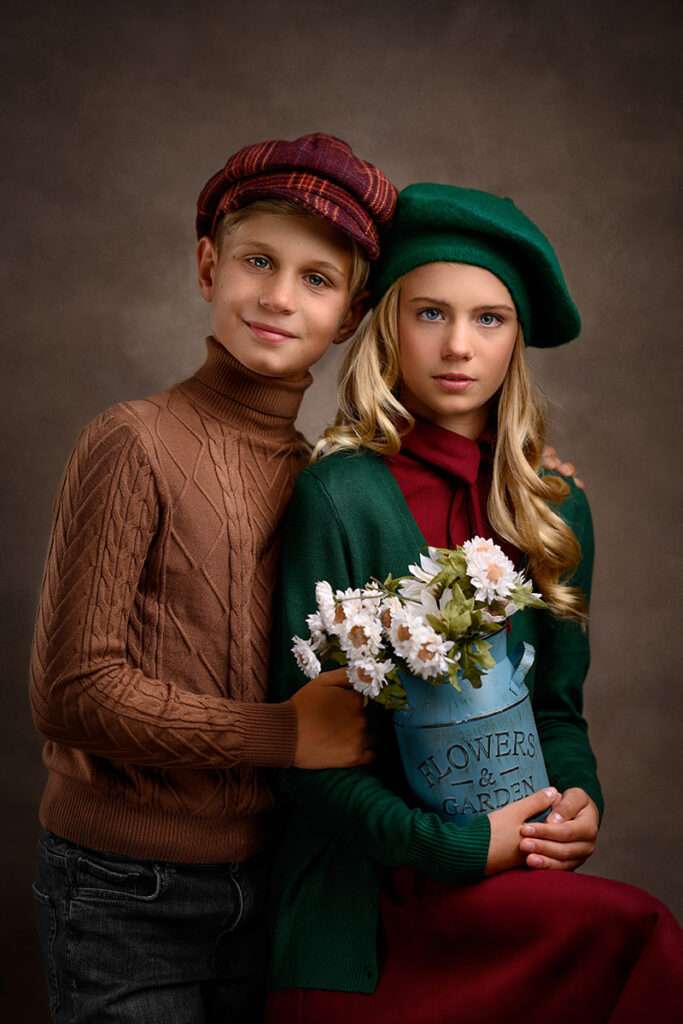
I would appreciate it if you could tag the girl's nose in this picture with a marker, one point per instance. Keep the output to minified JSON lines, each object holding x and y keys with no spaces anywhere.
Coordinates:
{"x":458,"y":342}
{"x":277,"y":295}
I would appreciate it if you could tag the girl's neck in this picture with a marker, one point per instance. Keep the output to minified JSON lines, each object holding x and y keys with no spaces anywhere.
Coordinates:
{"x":470,"y":424}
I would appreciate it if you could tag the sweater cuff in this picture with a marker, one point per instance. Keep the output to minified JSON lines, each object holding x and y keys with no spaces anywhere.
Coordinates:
{"x":452,"y":853}
{"x":269,"y":733}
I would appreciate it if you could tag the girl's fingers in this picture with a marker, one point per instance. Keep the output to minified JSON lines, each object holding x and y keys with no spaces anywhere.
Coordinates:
{"x":539,"y":863}
{"x":574,"y":831}
{"x":557,"y":851}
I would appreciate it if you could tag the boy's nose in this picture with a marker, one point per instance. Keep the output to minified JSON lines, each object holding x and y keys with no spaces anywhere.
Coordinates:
{"x":277,"y":296}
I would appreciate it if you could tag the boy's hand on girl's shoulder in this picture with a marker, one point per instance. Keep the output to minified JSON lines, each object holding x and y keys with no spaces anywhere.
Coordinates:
{"x":551,"y":460}
{"x":332,"y":728}
{"x":506,"y":824}
{"x":567,"y":838}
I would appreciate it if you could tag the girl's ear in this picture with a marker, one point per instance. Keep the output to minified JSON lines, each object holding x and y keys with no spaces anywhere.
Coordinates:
{"x":207,"y":261}
{"x":354,"y":315}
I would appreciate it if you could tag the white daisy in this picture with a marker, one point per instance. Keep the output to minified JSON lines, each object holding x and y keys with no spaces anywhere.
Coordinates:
{"x":305,"y":657}
{"x":324,"y":598}
{"x":316,"y":628}
{"x":361,"y":633}
{"x":368,"y":676}
{"x":428,"y":568}
{"x":428,"y":655}
{"x":490,"y":570}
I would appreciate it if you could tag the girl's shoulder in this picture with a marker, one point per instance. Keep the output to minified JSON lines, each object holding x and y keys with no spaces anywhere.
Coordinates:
{"x":575,"y":503}
{"x":575,"y":508}
{"x":345,"y":474}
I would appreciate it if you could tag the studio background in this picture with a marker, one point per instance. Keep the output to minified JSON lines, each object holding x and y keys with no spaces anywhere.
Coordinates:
{"x":115,"y":118}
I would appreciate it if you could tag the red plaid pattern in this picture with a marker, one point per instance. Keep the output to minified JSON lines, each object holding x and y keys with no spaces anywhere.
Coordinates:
{"x":319,"y":172}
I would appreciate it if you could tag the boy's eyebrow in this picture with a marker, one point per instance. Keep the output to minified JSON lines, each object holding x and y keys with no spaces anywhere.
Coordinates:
{"x":254,"y":243}
{"x":476,"y":309}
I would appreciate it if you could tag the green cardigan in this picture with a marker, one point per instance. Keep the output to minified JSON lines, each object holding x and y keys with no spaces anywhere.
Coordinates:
{"x":348,"y":521}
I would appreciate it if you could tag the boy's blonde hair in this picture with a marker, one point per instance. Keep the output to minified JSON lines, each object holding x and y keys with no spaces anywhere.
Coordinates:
{"x":371,"y":416}
{"x":360,"y":265}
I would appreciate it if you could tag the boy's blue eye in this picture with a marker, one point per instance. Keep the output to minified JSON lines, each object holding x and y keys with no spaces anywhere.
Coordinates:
{"x":490,"y":319}
{"x":260,"y":262}
{"x":317,"y":280}
{"x":430,"y":314}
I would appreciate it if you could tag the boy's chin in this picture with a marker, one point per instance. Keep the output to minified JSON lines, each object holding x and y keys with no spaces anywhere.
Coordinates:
{"x":267,"y":364}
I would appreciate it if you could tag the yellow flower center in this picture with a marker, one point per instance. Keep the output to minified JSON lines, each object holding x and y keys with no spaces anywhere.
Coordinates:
{"x":358,"y":637}
{"x":494,"y":572}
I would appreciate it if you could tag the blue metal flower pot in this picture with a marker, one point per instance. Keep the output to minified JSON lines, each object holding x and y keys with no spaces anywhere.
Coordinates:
{"x":472,"y":752}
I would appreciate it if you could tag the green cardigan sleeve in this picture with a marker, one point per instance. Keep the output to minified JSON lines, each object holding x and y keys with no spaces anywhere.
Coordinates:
{"x":562,"y":660}
{"x":354,"y":803}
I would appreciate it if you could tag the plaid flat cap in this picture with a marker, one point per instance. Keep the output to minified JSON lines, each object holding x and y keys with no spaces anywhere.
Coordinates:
{"x":319,"y":172}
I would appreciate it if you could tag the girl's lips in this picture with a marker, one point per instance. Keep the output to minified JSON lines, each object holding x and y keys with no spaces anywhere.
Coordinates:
{"x":266,"y":332}
{"x":454,"y":383}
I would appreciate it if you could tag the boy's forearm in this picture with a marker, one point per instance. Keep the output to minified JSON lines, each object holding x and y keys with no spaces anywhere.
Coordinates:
{"x":118,"y":713}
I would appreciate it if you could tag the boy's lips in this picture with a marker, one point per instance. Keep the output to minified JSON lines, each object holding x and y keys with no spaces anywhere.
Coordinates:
{"x":269,"y":332}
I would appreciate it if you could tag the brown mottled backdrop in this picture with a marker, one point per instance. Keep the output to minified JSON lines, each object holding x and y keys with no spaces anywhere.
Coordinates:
{"x":118,"y":112}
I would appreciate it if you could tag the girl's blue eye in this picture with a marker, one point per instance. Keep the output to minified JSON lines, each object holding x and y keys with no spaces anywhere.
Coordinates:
{"x":260,"y":262}
{"x":489,"y":319}
{"x":430,"y":314}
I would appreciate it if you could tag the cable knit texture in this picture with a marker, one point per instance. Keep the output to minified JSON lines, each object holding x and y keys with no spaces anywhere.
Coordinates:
{"x":148,"y":672}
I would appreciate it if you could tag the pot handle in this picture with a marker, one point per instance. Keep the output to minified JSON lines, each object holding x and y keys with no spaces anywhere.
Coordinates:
{"x":526,"y":654}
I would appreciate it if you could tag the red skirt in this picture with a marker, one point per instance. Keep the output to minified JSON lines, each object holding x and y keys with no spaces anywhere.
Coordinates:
{"x":538,"y":947}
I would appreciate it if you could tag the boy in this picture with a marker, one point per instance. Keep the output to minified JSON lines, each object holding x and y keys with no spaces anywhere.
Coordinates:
{"x":148,"y":673}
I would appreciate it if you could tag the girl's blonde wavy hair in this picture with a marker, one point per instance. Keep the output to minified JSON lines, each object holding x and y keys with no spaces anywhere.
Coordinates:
{"x":371,"y":416}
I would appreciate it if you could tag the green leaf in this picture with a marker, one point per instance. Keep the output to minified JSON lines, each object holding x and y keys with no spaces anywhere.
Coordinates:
{"x":391,"y":585}
{"x":475,"y":660}
{"x":524,"y":598}
{"x":453,"y":672}
{"x":393,"y":697}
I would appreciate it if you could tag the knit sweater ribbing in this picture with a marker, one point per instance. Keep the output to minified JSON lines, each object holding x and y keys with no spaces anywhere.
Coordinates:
{"x":148,"y":673}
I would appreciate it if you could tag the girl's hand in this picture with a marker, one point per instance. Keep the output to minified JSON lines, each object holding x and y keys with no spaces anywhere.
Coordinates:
{"x":504,"y":847}
{"x":567,"y":838}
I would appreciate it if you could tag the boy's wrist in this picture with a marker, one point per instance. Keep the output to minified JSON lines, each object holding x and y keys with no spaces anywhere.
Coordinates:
{"x":269,"y":734}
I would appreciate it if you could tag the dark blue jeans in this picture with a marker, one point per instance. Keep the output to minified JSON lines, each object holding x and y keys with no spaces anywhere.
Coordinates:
{"x":141,"y":942}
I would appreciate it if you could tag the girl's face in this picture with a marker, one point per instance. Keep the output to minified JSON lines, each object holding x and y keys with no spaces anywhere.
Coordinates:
{"x":457,"y":327}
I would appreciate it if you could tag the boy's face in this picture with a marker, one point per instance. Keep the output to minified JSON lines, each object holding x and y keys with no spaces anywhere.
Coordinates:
{"x":279,"y":291}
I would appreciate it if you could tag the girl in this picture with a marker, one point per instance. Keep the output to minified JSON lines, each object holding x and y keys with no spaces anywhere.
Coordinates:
{"x":384,"y":910}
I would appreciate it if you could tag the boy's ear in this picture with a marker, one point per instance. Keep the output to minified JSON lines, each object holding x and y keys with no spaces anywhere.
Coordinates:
{"x":354,"y":315}
{"x":207,"y":261}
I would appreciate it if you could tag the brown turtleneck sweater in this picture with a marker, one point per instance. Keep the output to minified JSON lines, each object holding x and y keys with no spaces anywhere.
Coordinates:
{"x":148,"y":674}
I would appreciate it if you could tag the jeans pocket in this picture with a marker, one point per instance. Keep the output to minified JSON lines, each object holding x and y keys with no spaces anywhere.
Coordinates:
{"x":101,"y":879}
{"x":47,"y":933}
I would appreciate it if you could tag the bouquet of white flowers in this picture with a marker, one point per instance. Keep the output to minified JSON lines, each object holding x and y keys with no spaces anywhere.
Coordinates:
{"x":432,"y":623}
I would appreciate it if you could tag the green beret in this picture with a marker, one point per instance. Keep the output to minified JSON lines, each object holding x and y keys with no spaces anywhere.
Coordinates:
{"x":443,"y":223}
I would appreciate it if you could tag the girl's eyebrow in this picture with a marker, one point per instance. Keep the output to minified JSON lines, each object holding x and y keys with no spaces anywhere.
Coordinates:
{"x":494,"y":305}
{"x":432,"y":301}
{"x":477,"y":309}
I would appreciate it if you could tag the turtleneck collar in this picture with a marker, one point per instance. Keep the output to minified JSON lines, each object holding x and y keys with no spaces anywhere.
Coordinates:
{"x":244,"y":399}
{"x":448,"y":452}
